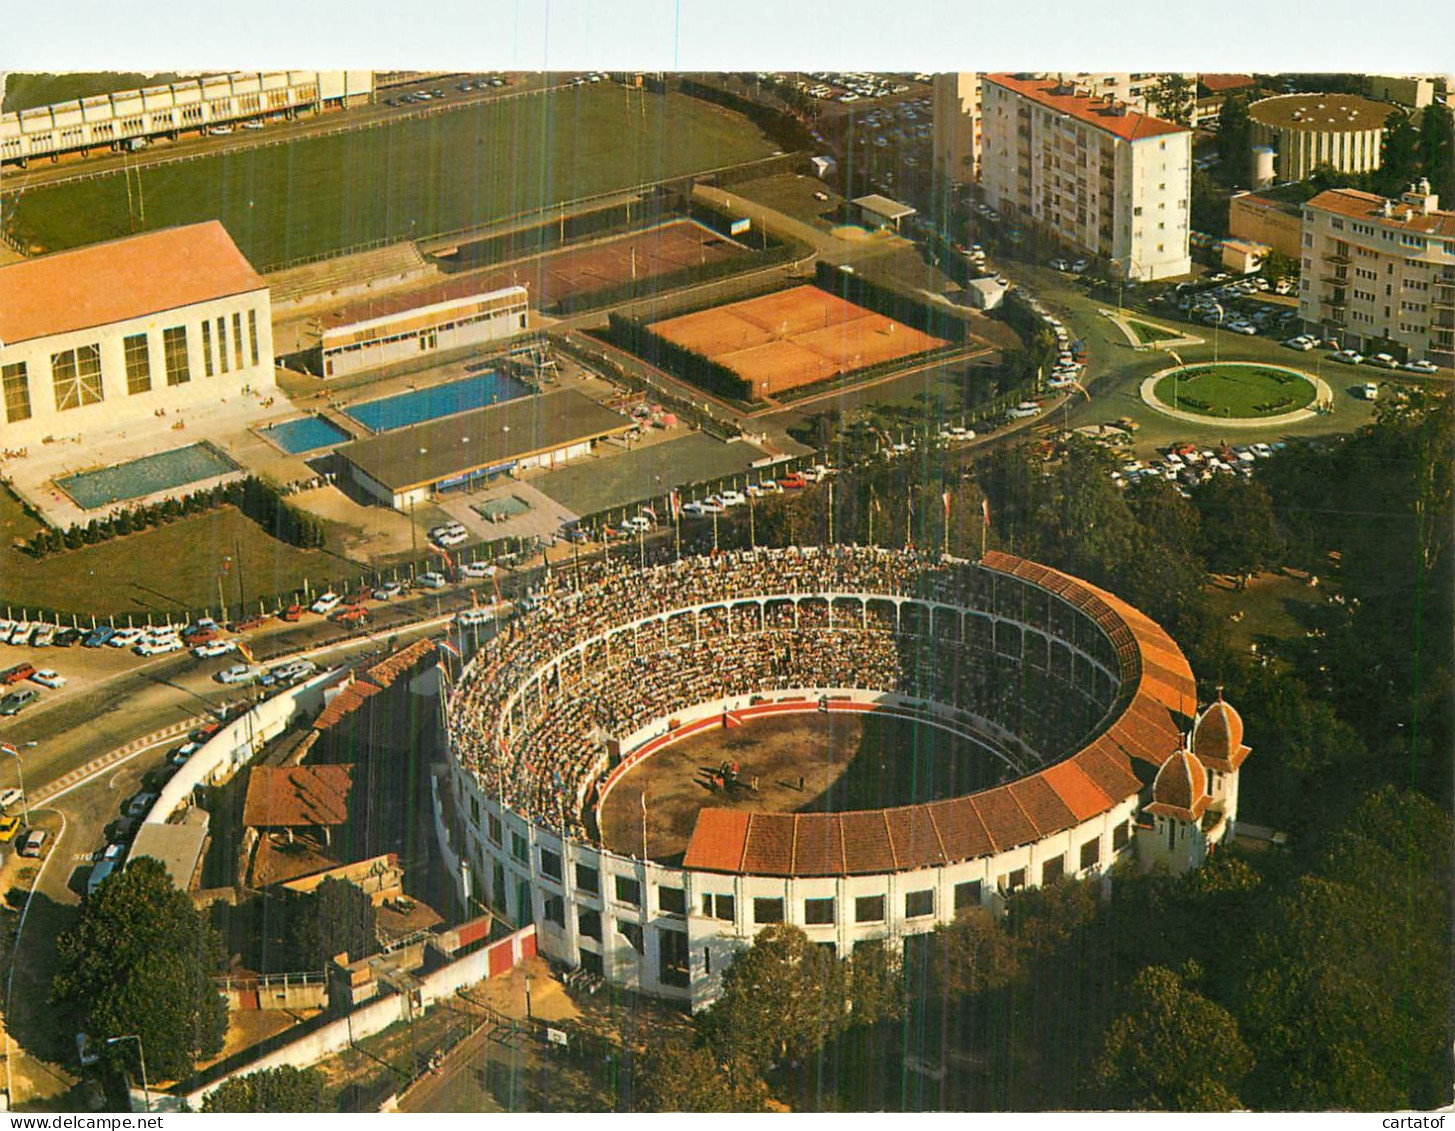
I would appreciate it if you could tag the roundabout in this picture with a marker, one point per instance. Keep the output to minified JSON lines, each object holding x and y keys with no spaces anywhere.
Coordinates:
{"x":1243,"y":394}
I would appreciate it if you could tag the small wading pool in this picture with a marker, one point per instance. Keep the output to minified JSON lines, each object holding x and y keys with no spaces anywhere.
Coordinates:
{"x":305,"y":434}
{"x":163,"y":471}
{"x":419,"y":405}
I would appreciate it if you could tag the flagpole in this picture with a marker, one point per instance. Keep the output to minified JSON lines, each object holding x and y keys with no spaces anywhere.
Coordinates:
{"x":644,"y":823}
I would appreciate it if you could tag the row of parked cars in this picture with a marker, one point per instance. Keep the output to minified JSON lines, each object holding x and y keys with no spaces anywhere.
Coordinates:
{"x":1186,"y":465}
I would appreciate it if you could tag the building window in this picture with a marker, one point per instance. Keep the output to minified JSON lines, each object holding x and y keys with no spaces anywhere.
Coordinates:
{"x":253,"y":334}
{"x":918,"y":904}
{"x":222,"y":343}
{"x":628,"y":891}
{"x":588,"y":879}
{"x":673,"y":901}
{"x":174,"y":351}
{"x":138,"y":364}
{"x":672,"y":958}
{"x":588,"y":923}
{"x":1091,"y":853}
{"x":719,"y":907}
{"x":555,"y":910}
{"x":869,"y":909}
{"x":632,"y":932}
{"x":767,"y":911}
{"x":207,"y":366}
{"x":518,"y":847}
{"x":551,"y":864}
{"x":17,"y":392}
{"x":76,"y":375}
{"x":492,"y":828}
{"x":237,"y":345}
{"x":818,"y":912}
{"x":967,"y":894}
{"x":1053,"y":870}
{"x":1014,"y":881}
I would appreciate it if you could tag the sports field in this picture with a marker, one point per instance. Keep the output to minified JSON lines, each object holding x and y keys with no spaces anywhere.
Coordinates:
{"x":575,"y":271}
{"x":407,"y":178}
{"x":848,"y":762}
{"x":793,"y":337}
{"x":1229,"y":391}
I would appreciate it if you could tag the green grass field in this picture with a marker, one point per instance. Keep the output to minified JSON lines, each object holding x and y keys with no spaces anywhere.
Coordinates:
{"x":1231,"y":391}
{"x":1147,"y":333}
{"x":410,"y":177}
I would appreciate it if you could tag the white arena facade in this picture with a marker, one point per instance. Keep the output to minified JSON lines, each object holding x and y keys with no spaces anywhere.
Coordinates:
{"x":1089,"y":707}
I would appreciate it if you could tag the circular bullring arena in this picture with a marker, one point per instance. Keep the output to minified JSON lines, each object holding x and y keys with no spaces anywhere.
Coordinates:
{"x":652,"y":764}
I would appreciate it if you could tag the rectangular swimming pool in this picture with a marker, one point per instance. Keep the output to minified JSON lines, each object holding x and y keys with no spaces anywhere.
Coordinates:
{"x":145,"y":476}
{"x":305,"y":434}
{"x":419,"y":405}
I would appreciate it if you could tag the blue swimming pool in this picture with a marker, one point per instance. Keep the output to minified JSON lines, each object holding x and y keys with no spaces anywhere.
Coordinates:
{"x":305,"y":434}
{"x":404,"y":409}
{"x":146,"y":476}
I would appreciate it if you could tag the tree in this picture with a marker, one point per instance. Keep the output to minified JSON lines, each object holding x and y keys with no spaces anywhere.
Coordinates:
{"x":339,"y":918}
{"x":1399,"y":162}
{"x":1437,"y":150}
{"x":876,"y":983}
{"x":782,"y":998}
{"x":973,"y":954}
{"x":1275,"y":266}
{"x":1171,"y":1049}
{"x":140,"y":960}
{"x":676,"y":1075}
{"x":1208,"y":208}
{"x":1235,"y":140}
{"x":1239,"y":535}
{"x":1175,"y":98}
{"x":273,"y":1090}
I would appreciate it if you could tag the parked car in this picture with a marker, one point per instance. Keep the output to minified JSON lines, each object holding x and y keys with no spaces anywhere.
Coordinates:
{"x":139,"y":804}
{"x":9,"y":826}
{"x":387,"y":590}
{"x":47,"y":677}
{"x":292,"y":613}
{"x":13,"y":675}
{"x":99,"y":872}
{"x":158,"y":646}
{"x":124,"y":637}
{"x":1349,"y":357}
{"x":1302,"y":343}
{"x":238,"y":673}
{"x":326,"y":603}
{"x":67,"y":636}
{"x":180,"y":755}
{"x":9,"y":797}
{"x":44,"y":636}
{"x":214,"y":648}
{"x":431,"y":580}
{"x":1369,"y":391}
{"x":1421,"y":365}
{"x":479,"y":569}
{"x":733,"y":499}
{"x":34,"y":842}
{"x":1384,"y":361}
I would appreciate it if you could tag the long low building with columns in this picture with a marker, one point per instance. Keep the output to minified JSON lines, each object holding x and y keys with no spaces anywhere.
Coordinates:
{"x":98,"y":336}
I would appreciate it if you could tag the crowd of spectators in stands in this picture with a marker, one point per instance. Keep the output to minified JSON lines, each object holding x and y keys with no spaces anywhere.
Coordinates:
{"x":539,"y":744}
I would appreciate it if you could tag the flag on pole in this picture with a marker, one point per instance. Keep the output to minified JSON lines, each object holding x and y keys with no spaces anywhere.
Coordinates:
{"x":451,"y":649}
{"x":649,"y":512}
{"x":5,"y":746}
{"x":946,"y":498}
{"x":985,"y":510}
{"x":675,"y":501}
{"x":245,"y":652}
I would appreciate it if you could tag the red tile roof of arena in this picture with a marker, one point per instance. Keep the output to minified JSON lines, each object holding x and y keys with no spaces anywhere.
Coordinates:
{"x":1157,"y":682}
{"x":121,"y":280}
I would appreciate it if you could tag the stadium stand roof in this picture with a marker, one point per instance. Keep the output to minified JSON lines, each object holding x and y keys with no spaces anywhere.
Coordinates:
{"x":121,"y":280}
{"x":298,"y":796}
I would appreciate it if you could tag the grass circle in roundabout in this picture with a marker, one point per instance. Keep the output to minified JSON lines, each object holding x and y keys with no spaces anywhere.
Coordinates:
{"x":1233,"y":390}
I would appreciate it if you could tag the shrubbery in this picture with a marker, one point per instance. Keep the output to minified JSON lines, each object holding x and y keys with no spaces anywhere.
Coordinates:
{"x":256,"y":499}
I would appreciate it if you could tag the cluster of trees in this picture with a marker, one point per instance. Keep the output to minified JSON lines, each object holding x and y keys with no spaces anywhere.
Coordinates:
{"x":271,"y":1091}
{"x":256,"y":499}
{"x":141,"y":961}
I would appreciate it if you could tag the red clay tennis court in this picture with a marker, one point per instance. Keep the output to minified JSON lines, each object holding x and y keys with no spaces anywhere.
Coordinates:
{"x":794,"y":337}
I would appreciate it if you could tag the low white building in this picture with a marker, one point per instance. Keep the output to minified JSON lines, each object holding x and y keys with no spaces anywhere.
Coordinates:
{"x":100,"y":335}
{"x":396,"y":330}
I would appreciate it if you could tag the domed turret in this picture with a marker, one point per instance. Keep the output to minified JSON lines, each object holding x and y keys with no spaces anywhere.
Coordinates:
{"x":1217,"y":737}
{"x":1180,"y":788}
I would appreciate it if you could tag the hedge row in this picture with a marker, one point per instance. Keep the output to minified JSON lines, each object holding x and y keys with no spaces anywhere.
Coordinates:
{"x":256,"y":499}
{"x":631,"y":290}
{"x":902,"y":306}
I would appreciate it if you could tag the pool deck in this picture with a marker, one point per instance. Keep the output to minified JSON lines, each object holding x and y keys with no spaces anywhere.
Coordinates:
{"x":226,"y":424}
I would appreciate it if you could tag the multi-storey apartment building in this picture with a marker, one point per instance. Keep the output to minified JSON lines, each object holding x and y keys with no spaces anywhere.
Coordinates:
{"x":957,"y":115}
{"x":1378,"y":275}
{"x":1108,"y":180}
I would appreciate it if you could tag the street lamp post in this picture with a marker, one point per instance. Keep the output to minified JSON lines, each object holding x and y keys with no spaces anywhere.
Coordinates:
{"x":142,"y":1056}
{"x":527,"y":998}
